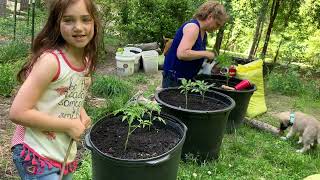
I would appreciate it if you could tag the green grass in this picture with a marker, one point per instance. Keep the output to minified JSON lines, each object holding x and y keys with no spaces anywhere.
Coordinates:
{"x":250,"y":154}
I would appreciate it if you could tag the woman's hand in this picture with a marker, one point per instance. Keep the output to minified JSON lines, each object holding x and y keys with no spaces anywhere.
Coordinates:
{"x":209,"y":55}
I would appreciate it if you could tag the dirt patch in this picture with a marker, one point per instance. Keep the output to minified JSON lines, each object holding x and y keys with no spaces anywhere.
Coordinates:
{"x":7,"y":170}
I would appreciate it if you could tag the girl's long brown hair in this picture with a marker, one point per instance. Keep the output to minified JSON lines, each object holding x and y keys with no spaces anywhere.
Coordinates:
{"x":50,"y":36}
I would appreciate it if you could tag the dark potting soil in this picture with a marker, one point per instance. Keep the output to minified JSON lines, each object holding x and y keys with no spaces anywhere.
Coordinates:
{"x":177,"y":99}
{"x":143,"y":143}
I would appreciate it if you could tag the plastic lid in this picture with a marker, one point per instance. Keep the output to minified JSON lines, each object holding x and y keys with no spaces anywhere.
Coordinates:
{"x":133,"y":49}
{"x":151,"y":53}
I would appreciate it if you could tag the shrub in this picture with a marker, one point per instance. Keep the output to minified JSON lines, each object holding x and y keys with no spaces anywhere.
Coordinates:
{"x":290,"y":83}
{"x":109,"y":86}
{"x":7,"y":79}
{"x":149,"y":20}
{"x":286,"y":83}
{"x":13,"y":51}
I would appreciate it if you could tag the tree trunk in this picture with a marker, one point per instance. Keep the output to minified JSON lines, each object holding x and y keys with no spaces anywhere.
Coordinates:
{"x":219,"y":38}
{"x":3,"y":4}
{"x":15,"y":19}
{"x":259,"y":27}
{"x":259,"y":38}
{"x":273,"y":15}
{"x":262,"y":126}
{"x":24,"y":5}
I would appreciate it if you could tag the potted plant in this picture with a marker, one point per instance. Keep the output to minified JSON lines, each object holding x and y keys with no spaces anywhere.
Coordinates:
{"x":136,"y":142}
{"x":204,"y":116}
{"x":225,"y":84}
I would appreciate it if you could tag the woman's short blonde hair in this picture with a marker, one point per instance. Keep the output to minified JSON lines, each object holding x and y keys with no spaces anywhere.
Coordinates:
{"x":214,"y":8}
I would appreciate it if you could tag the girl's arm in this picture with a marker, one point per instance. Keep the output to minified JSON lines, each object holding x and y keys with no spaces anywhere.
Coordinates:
{"x":22,"y":110}
{"x":184,"y":51}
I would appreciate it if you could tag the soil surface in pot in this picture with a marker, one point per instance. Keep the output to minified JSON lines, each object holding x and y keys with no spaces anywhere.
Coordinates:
{"x":177,"y":99}
{"x":143,"y":143}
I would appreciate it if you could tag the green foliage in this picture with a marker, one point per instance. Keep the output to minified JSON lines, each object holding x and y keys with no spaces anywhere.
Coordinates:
{"x":225,"y":61}
{"x":13,"y":51}
{"x":291,"y":83}
{"x":85,"y":170}
{"x":286,"y":83}
{"x":149,"y":20}
{"x":201,"y":87}
{"x":186,"y":86}
{"x":7,"y":79}
{"x":134,"y":114}
{"x":108,"y":86}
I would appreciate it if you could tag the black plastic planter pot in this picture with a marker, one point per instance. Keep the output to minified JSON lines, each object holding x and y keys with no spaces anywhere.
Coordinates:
{"x":165,"y":166}
{"x":241,"y":98}
{"x":205,"y":128}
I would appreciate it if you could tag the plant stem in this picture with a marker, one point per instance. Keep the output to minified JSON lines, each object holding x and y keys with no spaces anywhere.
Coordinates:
{"x":202,"y":98}
{"x":126,"y":143}
{"x":186,"y":100}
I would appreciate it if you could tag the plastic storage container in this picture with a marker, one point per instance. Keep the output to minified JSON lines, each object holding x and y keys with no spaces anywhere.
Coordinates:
{"x":137,"y":52}
{"x":150,"y":61}
{"x":125,"y":63}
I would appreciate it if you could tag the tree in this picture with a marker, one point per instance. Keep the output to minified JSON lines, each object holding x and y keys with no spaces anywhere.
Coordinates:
{"x":24,"y":5}
{"x":259,"y":28}
{"x":219,"y":37}
{"x":3,"y":4}
{"x":273,"y":15}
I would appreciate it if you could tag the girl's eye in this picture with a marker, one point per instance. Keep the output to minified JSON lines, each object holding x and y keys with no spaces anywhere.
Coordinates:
{"x":67,"y":20}
{"x":87,"y":19}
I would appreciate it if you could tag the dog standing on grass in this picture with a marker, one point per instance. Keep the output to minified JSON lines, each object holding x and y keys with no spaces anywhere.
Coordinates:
{"x":307,"y":126}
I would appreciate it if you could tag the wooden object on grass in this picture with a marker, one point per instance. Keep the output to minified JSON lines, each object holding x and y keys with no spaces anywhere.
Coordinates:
{"x":146,"y":46}
{"x":262,"y":126}
{"x":65,"y":160}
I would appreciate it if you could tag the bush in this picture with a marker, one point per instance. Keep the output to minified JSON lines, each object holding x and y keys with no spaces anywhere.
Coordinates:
{"x":13,"y":51}
{"x":290,"y":83}
{"x":149,"y":20}
{"x":7,"y":79}
{"x":109,"y":86}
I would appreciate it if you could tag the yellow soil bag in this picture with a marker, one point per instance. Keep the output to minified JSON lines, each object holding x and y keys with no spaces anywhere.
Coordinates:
{"x":313,"y":177}
{"x":253,"y":72}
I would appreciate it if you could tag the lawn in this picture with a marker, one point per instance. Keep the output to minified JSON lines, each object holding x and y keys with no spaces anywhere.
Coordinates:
{"x":247,"y":154}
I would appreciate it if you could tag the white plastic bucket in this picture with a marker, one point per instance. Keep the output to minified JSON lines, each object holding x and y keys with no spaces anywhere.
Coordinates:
{"x":137,"y":53}
{"x":150,"y":61}
{"x":125,"y":63}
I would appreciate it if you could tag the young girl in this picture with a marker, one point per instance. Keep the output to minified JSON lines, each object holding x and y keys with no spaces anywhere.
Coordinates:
{"x":48,"y":109}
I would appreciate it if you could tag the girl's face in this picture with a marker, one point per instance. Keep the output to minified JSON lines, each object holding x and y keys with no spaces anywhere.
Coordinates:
{"x":77,"y":25}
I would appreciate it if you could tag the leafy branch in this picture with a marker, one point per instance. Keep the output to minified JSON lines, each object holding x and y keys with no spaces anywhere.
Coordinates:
{"x":225,"y":61}
{"x":186,"y":86}
{"x":134,"y":114}
{"x":201,"y":87}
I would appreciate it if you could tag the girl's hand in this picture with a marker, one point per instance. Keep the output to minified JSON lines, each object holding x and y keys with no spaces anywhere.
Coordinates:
{"x":85,"y":119}
{"x":76,"y":129}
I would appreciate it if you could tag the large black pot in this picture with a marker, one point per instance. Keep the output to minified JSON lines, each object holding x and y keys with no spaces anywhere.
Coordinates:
{"x":162,"y":167}
{"x":241,"y":98}
{"x":205,"y":128}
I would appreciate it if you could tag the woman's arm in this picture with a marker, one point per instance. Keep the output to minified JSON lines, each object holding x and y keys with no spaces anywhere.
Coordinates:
{"x":184,"y":51}
{"x":22,"y":110}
